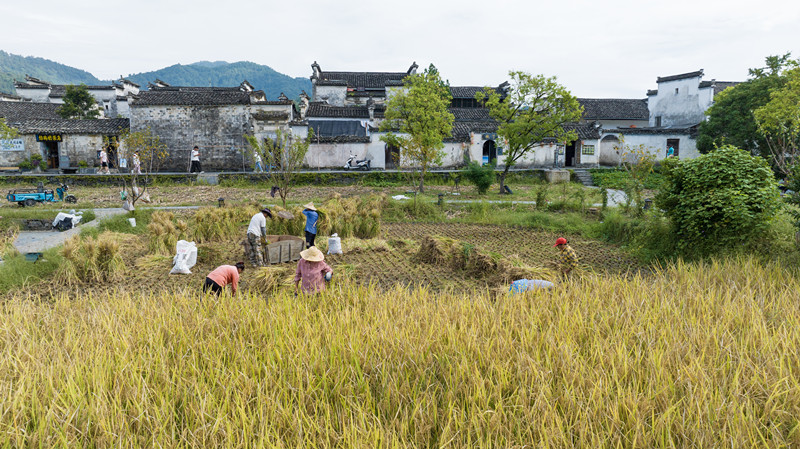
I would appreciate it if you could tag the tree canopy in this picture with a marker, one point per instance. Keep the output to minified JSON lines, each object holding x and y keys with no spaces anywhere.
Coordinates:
{"x":779,"y":122}
{"x":535,"y":108}
{"x":731,"y":120}
{"x":7,"y":132}
{"x":718,"y":200}
{"x":284,"y":155}
{"x":418,"y":120}
{"x":79,"y":103}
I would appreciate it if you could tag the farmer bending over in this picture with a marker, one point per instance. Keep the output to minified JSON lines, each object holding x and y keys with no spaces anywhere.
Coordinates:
{"x":312,"y":271}
{"x":568,"y":260}
{"x":256,"y":232}
{"x":222,"y":276}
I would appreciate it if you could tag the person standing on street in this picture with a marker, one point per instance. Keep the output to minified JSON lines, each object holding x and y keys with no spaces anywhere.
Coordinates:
{"x":104,"y":162}
{"x":311,"y":223}
{"x":222,"y":276}
{"x":196,"y":160}
{"x":259,"y":167}
{"x":256,"y":232}
{"x":568,"y":260}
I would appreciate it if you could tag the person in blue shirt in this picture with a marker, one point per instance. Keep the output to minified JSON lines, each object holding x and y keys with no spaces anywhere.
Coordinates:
{"x":311,"y":223}
{"x":670,"y":151}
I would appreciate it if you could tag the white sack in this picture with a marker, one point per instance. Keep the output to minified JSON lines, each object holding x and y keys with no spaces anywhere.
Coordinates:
{"x":185,"y":257}
{"x":334,"y":244}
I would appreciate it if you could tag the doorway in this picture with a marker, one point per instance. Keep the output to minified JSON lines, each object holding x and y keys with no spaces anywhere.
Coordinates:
{"x":392,"y":157}
{"x":489,"y":152}
{"x":51,"y":154}
{"x":675,"y":144}
{"x":569,"y":155}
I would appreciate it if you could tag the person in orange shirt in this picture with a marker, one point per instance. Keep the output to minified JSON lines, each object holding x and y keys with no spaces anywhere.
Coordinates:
{"x":222,"y":276}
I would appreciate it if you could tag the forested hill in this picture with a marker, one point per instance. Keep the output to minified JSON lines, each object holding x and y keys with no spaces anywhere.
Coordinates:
{"x":223,"y":74}
{"x":16,"y":67}
{"x":199,"y":74}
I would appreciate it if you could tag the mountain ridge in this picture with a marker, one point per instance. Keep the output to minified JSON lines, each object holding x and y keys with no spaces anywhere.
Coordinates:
{"x":197,"y":74}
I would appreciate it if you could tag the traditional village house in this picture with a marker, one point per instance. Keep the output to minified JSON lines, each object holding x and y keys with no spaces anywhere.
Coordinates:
{"x":675,"y":111}
{"x":112,"y":99}
{"x":213,"y":118}
{"x":64,"y":144}
{"x":603,"y":114}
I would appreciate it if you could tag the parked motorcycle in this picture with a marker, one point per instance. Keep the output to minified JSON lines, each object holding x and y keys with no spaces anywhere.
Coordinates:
{"x":354,"y":164}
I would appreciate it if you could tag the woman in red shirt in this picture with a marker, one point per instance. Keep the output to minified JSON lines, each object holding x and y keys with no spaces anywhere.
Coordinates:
{"x":311,"y":270}
{"x":222,"y":276}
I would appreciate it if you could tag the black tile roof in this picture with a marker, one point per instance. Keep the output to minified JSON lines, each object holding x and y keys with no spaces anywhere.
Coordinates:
{"x":461,"y":130}
{"x":664,"y":79}
{"x":324,"y":110}
{"x":470,"y":91}
{"x":24,"y":110}
{"x":719,"y":86}
{"x":360,"y":79}
{"x":651,"y":92}
{"x":614,"y":109}
{"x":67,"y":126}
{"x":690,"y":130}
{"x":341,"y":139}
{"x":198,"y":96}
{"x":471,"y":114}
{"x":585,"y":131}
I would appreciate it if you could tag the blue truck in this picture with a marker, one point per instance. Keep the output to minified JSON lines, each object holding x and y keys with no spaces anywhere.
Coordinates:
{"x":31,"y":197}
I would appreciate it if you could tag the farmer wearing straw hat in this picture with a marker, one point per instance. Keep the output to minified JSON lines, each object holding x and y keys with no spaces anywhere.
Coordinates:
{"x":312,"y":271}
{"x":568,"y":260}
{"x":311,"y":223}
{"x":256,"y":232}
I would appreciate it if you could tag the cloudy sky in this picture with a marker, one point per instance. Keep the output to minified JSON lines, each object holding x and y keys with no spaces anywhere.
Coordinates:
{"x":602,"y":49}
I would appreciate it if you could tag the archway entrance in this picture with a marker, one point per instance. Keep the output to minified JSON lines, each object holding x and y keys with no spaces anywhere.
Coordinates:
{"x":489,"y":152}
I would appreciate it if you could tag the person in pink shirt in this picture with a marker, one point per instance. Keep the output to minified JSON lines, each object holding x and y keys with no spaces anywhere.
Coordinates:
{"x":222,"y":276}
{"x":312,"y":271}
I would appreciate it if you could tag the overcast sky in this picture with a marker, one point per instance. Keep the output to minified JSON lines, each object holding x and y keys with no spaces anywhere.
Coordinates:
{"x":600,"y":49}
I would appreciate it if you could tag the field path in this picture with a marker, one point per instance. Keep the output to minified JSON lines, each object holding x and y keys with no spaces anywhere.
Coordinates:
{"x":38,"y":241}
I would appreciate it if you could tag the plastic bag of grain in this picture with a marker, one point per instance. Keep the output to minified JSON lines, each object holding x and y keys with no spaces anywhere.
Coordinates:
{"x":334,"y":244}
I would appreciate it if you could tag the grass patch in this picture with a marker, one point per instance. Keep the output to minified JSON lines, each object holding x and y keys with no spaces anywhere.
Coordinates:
{"x":17,"y":274}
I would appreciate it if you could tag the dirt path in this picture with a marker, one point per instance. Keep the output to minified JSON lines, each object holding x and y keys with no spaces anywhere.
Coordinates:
{"x":38,"y":241}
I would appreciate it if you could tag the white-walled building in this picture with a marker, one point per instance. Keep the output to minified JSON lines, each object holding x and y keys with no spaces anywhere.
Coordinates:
{"x":112,"y":99}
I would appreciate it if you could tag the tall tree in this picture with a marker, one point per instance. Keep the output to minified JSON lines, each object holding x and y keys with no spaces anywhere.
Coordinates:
{"x":79,"y":103}
{"x":779,"y":123}
{"x":730,"y":119}
{"x":418,"y":120}
{"x":284,"y":155}
{"x":534,"y":108}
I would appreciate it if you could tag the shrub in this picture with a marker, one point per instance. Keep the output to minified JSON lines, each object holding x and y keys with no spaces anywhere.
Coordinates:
{"x":481,"y":175}
{"x":718,"y":200}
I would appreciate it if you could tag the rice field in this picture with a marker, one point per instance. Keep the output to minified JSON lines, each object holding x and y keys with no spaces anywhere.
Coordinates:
{"x":689,"y":356}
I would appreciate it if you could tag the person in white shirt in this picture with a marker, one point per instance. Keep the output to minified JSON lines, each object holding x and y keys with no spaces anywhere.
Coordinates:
{"x":256,"y":232}
{"x":259,"y":167}
{"x":104,"y":161}
{"x":196,"y":160}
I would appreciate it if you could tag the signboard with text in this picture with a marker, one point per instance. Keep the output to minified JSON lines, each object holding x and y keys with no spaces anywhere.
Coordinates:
{"x":12,"y":145}
{"x":48,"y":137}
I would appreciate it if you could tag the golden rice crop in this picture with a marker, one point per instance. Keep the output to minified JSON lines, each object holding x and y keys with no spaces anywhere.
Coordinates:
{"x":220,"y":223}
{"x":267,"y":279}
{"x":694,"y":355}
{"x":90,"y":260}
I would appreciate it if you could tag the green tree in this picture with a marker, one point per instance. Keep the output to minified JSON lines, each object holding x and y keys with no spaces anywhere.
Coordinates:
{"x":779,"y":122}
{"x":284,"y":155}
{"x":718,"y":200}
{"x":151,"y":153}
{"x":535,"y":108}
{"x":7,"y":132}
{"x":79,"y":103}
{"x":730,"y":119}
{"x":418,"y":120}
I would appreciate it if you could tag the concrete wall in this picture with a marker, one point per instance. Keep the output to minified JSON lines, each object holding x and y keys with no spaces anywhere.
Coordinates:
{"x":655,"y":143}
{"x":334,"y":95}
{"x":36,"y":95}
{"x":218,"y":131}
{"x":73,"y":147}
{"x":678,"y":103}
